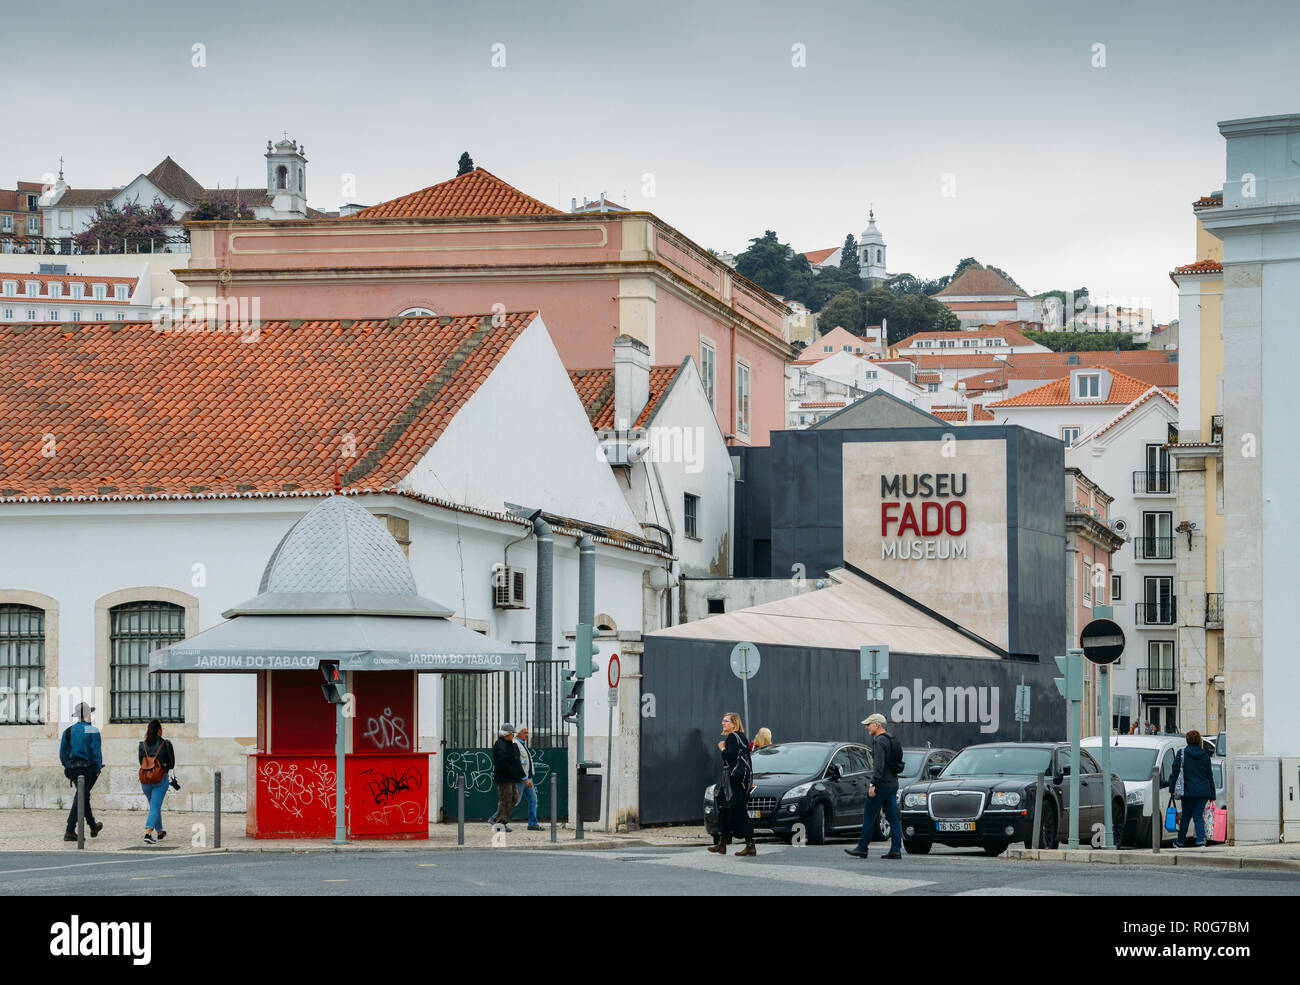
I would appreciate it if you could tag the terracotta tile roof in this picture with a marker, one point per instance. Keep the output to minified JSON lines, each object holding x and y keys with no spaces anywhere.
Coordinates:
{"x":1151,"y":367}
{"x":836,"y":338}
{"x":87,"y":280}
{"x":817,"y":256}
{"x":954,"y":360}
{"x":1151,"y":393}
{"x":1124,"y":389}
{"x":9,"y":201}
{"x":175,"y":180}
{"x":980,"y":282}
{"x":1212,"y":201}
{"x":136,"y":411}
{"x":477,"y":193}
{"x":928,"y":377}
{"x":1011,"y":335}
{"x":983,"y":415}
{"x":1199,"y":267}
{"x":822,"y":403}
{"x":30,"y":186}
{"x":596,"y":391}
{"x":82,"y":197}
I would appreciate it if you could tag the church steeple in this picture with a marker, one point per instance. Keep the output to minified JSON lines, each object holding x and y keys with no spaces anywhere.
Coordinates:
{"x":871,"y":252}
{"x":286,"y":177}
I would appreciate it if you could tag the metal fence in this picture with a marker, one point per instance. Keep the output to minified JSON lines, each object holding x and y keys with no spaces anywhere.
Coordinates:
{"x":475,"y":705}
{"x":68,"y":246}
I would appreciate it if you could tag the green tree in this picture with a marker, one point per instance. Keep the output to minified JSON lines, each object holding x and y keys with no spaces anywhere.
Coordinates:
{"x":134,"y":228}
{"x":775,"y":267}
{"x":1084,"y":341}
{"x":847,"y":309}
{"x":849,"y":257}
{"x":962,"y":265}
{"x":830,"y":282}
{"x":908,"y":315}
{"x":465,"y":165}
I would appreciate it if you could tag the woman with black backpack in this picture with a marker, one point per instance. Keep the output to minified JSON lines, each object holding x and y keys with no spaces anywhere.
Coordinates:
{"x":157,"y":760}
{"x":733,"y":791}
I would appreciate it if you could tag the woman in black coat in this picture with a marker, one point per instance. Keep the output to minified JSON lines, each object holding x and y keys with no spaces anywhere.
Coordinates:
{"x":733,"y":791}
{"x":1198,"y":787}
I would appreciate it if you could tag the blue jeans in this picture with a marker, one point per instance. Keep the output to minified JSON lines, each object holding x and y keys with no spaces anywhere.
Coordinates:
{"x":887,"y":798}
{"x":530,"y":795}
{"x":153,"y":792}
{"x":1195,"y":807}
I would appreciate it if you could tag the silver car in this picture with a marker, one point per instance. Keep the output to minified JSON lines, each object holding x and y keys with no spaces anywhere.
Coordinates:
{"x":1132,"y":757}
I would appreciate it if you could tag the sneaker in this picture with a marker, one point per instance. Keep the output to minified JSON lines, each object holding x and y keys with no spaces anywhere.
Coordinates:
{"x":96,"y":828}
{"x":69,"y":836}
{"x":1179,"y":844}
{"x":161,"y":834}
{"x":855,"y":853}
{"x":535,"y":827}
{"x":892,"y":855}
{"x":148,"y":837}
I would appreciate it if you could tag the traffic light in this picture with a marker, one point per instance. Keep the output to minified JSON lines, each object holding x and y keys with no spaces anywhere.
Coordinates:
{"x":572,"y":695}
{"x":333,"y":686}
{"x":585,"y":650}
{"x":1071,"y":685}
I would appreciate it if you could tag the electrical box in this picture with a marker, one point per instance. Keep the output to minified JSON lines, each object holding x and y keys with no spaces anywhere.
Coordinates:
{"x":1291,"y":799}
{"x":1256,"y":799}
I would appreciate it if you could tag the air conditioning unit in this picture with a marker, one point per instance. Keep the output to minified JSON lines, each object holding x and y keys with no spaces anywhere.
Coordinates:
{"x":509,"y":587}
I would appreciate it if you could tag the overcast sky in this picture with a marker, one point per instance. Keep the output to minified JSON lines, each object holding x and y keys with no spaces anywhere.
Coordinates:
{"x":1065,"y":174}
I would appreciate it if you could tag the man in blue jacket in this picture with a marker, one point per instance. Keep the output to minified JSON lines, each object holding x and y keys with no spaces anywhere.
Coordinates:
{"x":1198,"y":787}
{"x":79,"y":752}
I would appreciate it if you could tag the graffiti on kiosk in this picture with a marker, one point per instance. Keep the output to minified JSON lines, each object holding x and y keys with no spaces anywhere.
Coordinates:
{"x":388,"y":731}
{"x":292,"y":789}
{"x":477,"y":768}
{"x":406,"y":813}
{"x":384,"y":786}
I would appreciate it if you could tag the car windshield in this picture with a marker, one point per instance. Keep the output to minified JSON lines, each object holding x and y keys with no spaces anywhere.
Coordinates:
{"x":995,"y":760}
{"x":912,"y":760}
{"x":799,"y":760}
{"x":1129,"y":762}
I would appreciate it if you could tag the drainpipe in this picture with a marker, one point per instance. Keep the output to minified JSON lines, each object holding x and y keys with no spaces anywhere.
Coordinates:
{"x":545,"y":588}
{"x":587,"y":615}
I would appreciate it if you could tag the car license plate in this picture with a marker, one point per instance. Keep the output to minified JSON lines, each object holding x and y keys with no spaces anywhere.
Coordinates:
{"x":955,"y":825}
{"x":755,"y":813}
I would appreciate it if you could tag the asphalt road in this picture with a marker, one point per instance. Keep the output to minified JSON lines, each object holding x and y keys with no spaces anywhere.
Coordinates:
{"x":778,"y":870}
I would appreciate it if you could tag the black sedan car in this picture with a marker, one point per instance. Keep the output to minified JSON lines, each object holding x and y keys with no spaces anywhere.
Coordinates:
{"x":820,"y":788}
{"x":985,"y":798}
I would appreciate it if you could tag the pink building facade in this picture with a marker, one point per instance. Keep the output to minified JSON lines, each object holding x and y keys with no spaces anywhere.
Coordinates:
{"x":592,"y":276}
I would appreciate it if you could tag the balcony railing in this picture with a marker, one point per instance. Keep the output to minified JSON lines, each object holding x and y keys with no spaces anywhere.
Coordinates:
{"x":1153,"y":482}
{"x":1214,"y":610}
{"x":1153,"y":548}
{"x":1156,"y":679}
{"x":1216,"y":429}
{"x":1156,"y":613}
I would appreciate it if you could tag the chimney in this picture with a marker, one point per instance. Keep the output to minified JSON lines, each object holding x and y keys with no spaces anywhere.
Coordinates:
{"x":631,"y":380}
{"x":970,"y":412}
{"x":573,"y":205}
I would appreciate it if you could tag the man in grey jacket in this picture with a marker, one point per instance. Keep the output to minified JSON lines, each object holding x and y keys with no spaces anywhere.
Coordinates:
{"x":886,"y":756}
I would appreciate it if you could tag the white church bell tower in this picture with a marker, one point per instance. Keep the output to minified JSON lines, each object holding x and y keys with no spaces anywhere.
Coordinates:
{"x":286,"y":178}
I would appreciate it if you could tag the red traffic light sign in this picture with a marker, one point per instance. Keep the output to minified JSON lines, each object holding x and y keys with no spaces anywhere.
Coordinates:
{"x":1102,"y":641}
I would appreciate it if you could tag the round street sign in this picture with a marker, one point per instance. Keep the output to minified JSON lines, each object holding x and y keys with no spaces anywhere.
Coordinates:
{"x":744,"y":660}
{"x":1102,"y":641}
{"x":614,"y":669}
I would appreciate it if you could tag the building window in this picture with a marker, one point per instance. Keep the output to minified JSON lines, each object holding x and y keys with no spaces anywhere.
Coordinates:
{"x":33,"y":288}
{"x":1157,"y":606}
{"x":54,"y":314}
{"x":933,"y":387}
{"x":78,"y":291}
{"x":1069,"y":436}
{"x":1087,"y":584}
{"x":6,"y":223}
{"x":9,"y":314}
{"x":31,"y":314}
{"x":55,"y":290}
{"x":1116,"y":588}
{"x":10,"y":288}
{"x":282,"y":178}
{"x":828,"y":348}
{"x":121,"y":316}
{"x":33,"y":226}
{"x":99,"y":316}
{"x":135,"y":695}
{"x":742,"y":398}
{"x":692,"y":516}
{"x":119,"y":292}
{"x":22,"y":665}
{"x":76,"y":316}
{"x":33,"y":202}
{"x":417,"y":313}
{"x":717,"y":606}
{"x":1089,"y":385}
{"x":99,"y":291}
{"x":708,"y":370}
{"x":871,"y":374}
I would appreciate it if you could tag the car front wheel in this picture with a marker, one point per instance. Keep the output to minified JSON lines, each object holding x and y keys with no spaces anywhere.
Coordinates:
{"x":817,"y":825}
{"x":917,"y":846}
{"x":992,"y":848}
{"x":1047,"y":835}
{"x":882,"y":827}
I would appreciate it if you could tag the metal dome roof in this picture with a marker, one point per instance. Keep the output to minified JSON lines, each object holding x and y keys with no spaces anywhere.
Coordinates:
{"x":338,"y":559}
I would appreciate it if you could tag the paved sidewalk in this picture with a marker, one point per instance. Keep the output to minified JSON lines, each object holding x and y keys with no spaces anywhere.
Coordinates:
{"x":31,"y":830}
{"x":1284,"y":857}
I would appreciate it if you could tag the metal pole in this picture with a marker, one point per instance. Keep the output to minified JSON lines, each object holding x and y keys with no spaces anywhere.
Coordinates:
{"x":555,"y":807}
{"x":340,"y":822}
{"x":460,"y":809}
{"x":587,"y":616}
{"x":609,"y":754}
{"x":744,"y":680}
{"x":81,"y":811}
{"x":1103,"y":672}
{"x":216,"y":809}
{"x":1076,"y":709}
{"x":1038,"y":811}
{"x":1157,"y":822}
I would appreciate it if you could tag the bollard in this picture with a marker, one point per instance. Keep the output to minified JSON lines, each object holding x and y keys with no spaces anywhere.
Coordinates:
{"x":554,"y":807}
{"x":460,"y":809}
{"x":1038,"y":812}
{"x":1157,"y":814}
{"x":81,"y":811}
{"x":216,"y":809}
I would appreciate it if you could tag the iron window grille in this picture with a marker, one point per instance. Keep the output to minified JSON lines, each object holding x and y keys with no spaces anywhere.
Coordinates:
{"x":22,"y":664}
{"x":135,"y":630}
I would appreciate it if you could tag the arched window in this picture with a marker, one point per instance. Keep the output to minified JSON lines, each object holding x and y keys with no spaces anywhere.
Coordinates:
{"x":282,"y":177}
{"x":299,"y":181}
{"x":880,"y":256}
{"x":134,"y":630}
{"x":418,"y":312}
{"x":22,"y":664}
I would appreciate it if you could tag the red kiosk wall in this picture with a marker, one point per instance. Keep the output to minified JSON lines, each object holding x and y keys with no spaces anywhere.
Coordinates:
{"x":301,"y":719}
{"x":385,"y":711}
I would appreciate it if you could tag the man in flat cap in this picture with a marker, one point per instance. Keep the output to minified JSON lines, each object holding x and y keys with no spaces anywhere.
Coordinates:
{"x":886,"y":765}
{"x":507,"y":772}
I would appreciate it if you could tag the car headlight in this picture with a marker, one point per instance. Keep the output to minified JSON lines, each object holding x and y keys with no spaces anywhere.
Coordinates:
{"x":1136,"y":796}
{"x":708,"y":794}
{"x":914,"y":800}
{"x":1005,"y":798}
{"x":794,"y":793}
